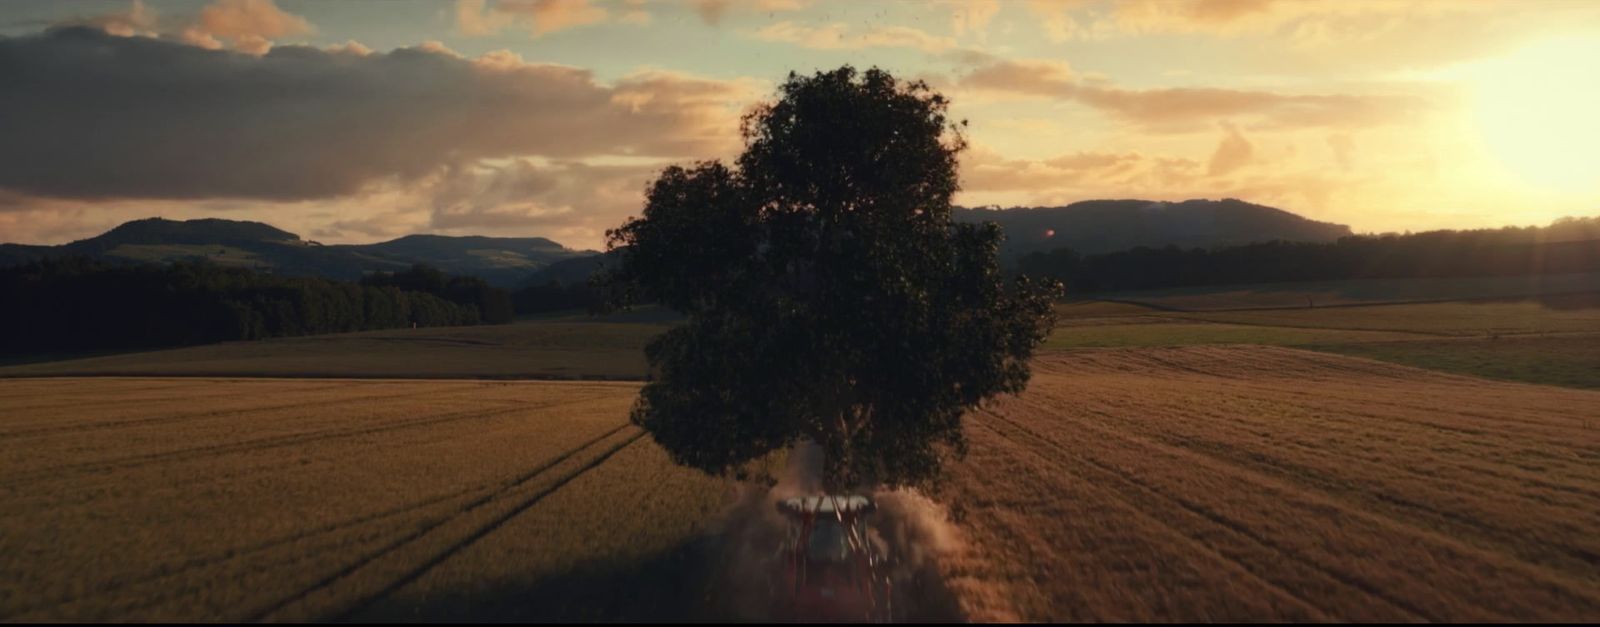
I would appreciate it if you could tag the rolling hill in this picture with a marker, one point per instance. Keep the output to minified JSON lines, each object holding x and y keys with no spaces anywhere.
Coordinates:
{"x":1088,"y":227}
{"x":1102,"y":226}
{"x":503,"y":261}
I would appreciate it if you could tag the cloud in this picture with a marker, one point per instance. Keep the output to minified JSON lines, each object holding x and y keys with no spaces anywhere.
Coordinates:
{"x":248,"y":26}
{"x":138,"y":19}
{"x":539,"y":17}
{"x":973,"y":16}
{"x":569,"y":200}
{"x":1183,"y":109}
{"x":986,"y":177}
{"x":1310,"y":37}
{"x":1232,"y":153}
{"x":1143,"y":16}
{"x":633,"y":12}
{"x":838,"y":36}
{"x":1051,"y":79}
{"x":1087,"y":174}
{"x":1055,"y":17}
{"x":303,"y":123}
{"x":712,"y":11}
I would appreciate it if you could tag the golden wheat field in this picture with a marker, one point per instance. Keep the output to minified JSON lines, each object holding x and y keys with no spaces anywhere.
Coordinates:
{"x":1197,"y":483}
{"x":153,"y":499}
{"x":1247,"y":482}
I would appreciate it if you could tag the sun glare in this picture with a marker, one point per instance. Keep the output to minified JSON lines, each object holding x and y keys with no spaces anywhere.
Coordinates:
{"x":1539,"y":111}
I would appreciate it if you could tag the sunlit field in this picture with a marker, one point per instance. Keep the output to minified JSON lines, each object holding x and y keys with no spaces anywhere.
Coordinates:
{"x":1154,"y":483}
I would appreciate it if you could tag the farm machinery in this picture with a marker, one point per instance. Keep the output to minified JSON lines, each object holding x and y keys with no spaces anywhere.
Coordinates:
{"x":827,"y":567}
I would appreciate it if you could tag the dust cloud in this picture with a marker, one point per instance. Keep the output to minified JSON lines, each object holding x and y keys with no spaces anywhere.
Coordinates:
{"x":912,"y":533}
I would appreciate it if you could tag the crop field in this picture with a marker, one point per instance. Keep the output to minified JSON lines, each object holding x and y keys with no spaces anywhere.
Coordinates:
{"x":1552,"y":340}
{"x":1161,"y":483}
{"x":1360,"y":291}
{"x":181,"y":499}
{"x":543,"y":349}
{"x":1218,"y":483}
{"x":1453,"y":319}
{"x":1165,"y":331}
{"x":1565,"y":360}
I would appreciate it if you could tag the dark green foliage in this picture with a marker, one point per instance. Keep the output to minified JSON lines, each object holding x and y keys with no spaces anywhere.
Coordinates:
{"x":76,"y":303}
{"x":1568,"y":245}
{"x":493,"y":304}
{"x":554,"y":296}
{"x":829,"y":293}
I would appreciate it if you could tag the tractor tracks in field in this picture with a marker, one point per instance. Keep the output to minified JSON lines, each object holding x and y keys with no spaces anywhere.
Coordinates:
{"x":473,"y":497}
{"x":359,"y":585}
{"x":167,"y":571}
{"x":1410,"y":512}
{"x":208,"y":413}
{"x":67,"y":471}
{"x":1054,"y":455}
{"x":1468,"y":549}
{"x":393,"y":564}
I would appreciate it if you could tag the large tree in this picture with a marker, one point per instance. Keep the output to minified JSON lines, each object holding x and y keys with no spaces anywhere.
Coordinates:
{"x":829,"y":294}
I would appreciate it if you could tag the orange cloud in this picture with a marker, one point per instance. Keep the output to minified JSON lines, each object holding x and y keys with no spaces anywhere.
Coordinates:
{"x":973,"y":16}
{"x":1055,"y":17}
{"x":248,"y":26}
{"x":1183,"y":109}
{"x":1232,"y":153}
{"x":139,"y":19}
{"x":712,"y":11}
{"x":839,"y":36}
{"x":1092,"y":174}
{"x":539,"y":17}
{"x":1051,"y":79}
{"x":1213,"y":15}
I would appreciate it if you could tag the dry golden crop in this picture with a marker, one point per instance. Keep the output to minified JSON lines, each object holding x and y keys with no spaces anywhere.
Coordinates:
{"x":1265,"y":483}
{"x":1197,"y":483}
{"x":238,"y":499}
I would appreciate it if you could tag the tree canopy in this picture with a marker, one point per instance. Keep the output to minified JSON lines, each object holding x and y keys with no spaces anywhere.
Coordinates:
{"x":829,"y":294}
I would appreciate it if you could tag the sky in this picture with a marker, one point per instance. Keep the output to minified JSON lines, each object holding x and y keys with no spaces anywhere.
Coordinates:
{"x":362,"y":120}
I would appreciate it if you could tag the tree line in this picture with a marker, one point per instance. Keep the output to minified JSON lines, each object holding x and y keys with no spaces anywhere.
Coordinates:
{"x":77,"y":303}
{"x":494,"y":305}
{"x":1568,"y":245}
{"x":555,"y":295}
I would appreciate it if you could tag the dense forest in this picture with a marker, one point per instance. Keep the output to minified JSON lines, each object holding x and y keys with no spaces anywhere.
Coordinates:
{"x":494,"y":305}
{"x":77,"y":303}
{"x":1568,"y":245}
{"x":555,"y":296}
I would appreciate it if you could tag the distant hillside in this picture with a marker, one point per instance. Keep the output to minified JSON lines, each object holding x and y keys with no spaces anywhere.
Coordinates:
{"x":1100,"y":226}
{"x":503,"y":261}
{"x":1089,"y":227}
{"x":570,"y":272}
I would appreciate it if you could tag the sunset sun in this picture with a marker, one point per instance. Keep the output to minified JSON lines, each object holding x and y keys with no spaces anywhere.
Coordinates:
{"x":1538,"y":109}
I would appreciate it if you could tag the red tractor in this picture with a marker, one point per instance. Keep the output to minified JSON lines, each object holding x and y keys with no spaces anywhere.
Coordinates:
{"x":828,"y":570}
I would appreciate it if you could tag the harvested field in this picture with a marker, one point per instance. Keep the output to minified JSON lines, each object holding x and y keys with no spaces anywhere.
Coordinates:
{"x":1447,"y":319}
{"x":152,"y":499}
{"x":1218,"y":483}
{"x":1361,"y":291}
{"x":1197,"y":483}
{"x":1167,"y":331}
{"x":536,"y":349}
{"x":1566,"y":360}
